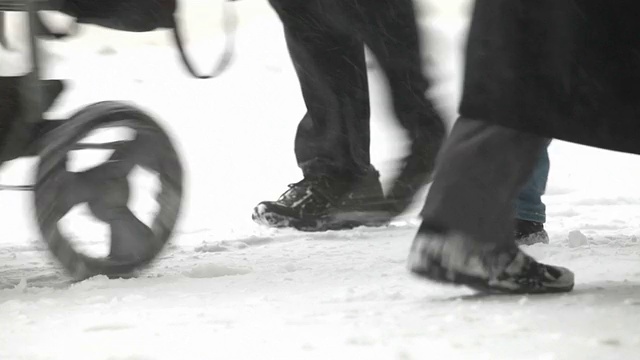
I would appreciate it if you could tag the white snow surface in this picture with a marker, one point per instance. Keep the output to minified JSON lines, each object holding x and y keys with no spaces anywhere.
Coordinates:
{"x":226,"y":288}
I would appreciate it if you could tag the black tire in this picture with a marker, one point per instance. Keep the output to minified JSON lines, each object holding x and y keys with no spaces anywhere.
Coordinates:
{"x":133,"y":244}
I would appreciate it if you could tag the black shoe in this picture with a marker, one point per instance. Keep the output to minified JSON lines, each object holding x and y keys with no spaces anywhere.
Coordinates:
{"x":324,"y":203}
{"x":455,"y":259}
{"x":413,"y":176}
{"x":530,"y":232}
{"x":417,"y":167}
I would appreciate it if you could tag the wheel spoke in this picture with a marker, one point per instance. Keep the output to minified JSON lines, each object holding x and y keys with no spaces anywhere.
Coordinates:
{"x":70,"y":190}
{"x":131,"y":239}
{"x":100,"y":146}
{"x":113,"y":168}
{"x":143,"y":150}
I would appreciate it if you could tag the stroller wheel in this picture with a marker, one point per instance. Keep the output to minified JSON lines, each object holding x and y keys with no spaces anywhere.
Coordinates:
{"x":104,"y":191}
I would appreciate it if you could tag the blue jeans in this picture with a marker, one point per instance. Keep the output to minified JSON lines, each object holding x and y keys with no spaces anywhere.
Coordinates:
{"x":529,"y":205}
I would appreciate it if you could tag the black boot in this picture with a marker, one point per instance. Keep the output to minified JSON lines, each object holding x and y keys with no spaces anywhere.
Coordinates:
{"x":530,"y":232}
{"x":454,"y":258}
{"x":418,"y":166}
{"x":321,"y":203}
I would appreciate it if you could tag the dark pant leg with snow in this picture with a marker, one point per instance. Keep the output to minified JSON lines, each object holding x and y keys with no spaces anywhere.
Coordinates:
{"x":334,"y":136}
{"x":481,"y":170}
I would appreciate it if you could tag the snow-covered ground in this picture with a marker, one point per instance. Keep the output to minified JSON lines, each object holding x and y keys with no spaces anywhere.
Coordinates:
{"x":227,"y":288}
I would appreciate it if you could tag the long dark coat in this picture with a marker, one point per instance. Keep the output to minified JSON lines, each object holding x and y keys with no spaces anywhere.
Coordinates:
{"x":566,"y":69}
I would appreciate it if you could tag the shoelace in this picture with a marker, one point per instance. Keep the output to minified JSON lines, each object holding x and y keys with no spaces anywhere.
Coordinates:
{"x":313,"y":189}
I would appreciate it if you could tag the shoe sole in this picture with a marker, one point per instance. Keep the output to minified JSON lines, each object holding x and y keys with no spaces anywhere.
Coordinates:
{"x":345,"y":221}
{"x":540,"y":237}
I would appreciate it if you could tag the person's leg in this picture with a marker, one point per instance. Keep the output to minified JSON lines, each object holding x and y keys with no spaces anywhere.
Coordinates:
{"x":480,"y":173}
{"x":332,"y":141}
{"x":529,"y":205}
{"x":389,"y":29}
{"x":334,"y":134}
{"x":530,"y":210}
{"x":467,"y":231}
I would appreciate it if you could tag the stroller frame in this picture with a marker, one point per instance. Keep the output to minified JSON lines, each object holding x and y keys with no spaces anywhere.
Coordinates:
{"x":104,"y":188}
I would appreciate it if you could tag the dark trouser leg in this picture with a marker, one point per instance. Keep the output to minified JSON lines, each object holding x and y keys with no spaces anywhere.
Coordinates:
{"x":389,"y":29}
{"x":333,"y":137}
{"x":480,"y":172}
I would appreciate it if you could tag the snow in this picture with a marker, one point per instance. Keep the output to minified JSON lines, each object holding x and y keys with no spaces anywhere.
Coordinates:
{"x":577,"y":238}
{"x":227,"y":288}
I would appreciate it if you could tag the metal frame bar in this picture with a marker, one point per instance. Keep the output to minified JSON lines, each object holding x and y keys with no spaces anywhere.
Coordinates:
{"x":35,"y":100}
{"x":32,"y":95}
{"x":21,"y":5}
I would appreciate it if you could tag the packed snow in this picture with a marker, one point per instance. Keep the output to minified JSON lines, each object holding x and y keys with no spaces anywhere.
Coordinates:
{"x":227,"y":288}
